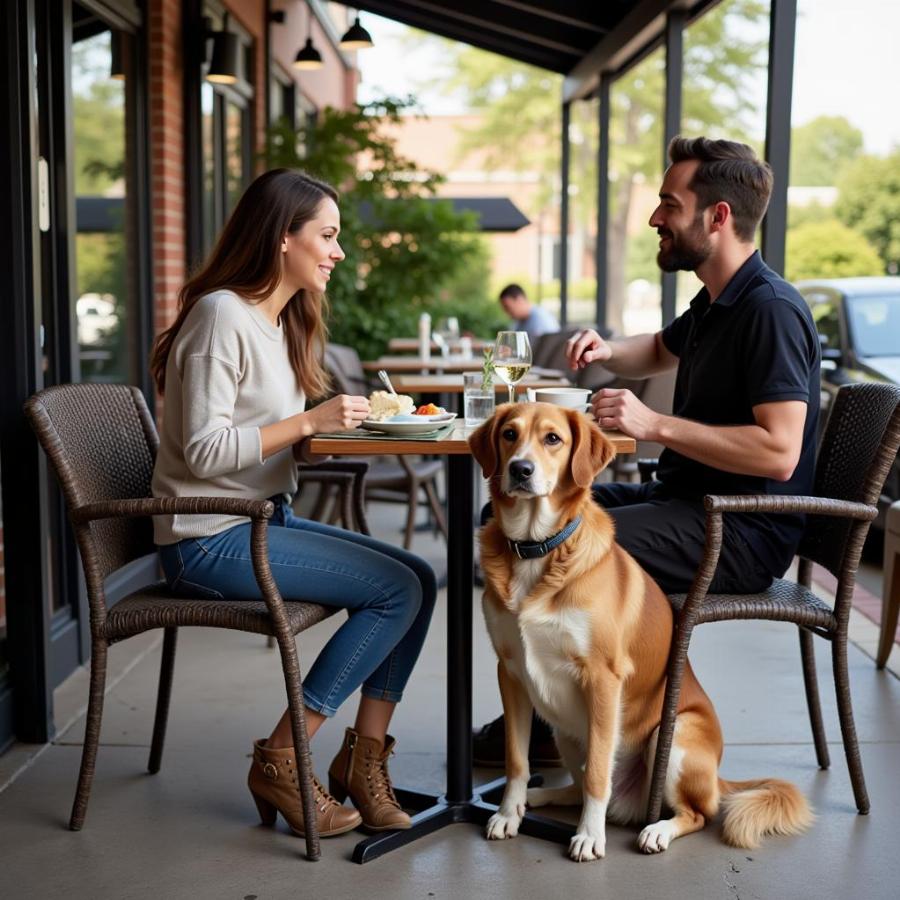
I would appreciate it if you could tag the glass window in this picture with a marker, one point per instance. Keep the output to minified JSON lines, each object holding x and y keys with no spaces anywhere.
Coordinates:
{"x":104,"y":298}
{"x":633,"y":295}
{"x":726,"y":57}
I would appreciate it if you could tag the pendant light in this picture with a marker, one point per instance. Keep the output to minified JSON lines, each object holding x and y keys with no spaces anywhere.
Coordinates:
{"x":356,"y":38}
{"x":308,"y":58}
{"x":225,"y":65}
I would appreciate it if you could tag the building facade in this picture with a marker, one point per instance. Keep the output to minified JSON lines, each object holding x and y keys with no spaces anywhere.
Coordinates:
{"x":133,"y":127}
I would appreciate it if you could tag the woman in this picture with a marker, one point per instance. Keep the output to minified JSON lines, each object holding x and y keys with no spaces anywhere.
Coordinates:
{"x":236,"y":369}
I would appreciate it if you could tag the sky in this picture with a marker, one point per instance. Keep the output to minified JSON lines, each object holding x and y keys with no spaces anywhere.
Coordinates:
{"x":842,"y":67}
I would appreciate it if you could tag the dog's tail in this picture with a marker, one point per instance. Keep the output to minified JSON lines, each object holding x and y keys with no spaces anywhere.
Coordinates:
{"x":760,"y":807}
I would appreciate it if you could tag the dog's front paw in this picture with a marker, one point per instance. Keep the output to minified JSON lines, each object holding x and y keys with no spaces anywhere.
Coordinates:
{"x":503,"y":825}
{"x":585,"y":846}
{"x":656,"y":837}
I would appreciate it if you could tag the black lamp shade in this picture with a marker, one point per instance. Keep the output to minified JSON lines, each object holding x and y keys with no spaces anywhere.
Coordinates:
{"x":356,"y":38}
{"x":308,"y":57}
{"x":225,"y":66}
{"x":117,"y":62}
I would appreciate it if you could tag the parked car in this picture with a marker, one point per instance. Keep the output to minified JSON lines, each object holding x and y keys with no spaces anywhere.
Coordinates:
{"x":858,"y":320}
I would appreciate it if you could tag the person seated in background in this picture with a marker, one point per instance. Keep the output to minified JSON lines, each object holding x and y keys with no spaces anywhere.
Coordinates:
{"x":746,"y":400}
{"x":534,"y":320}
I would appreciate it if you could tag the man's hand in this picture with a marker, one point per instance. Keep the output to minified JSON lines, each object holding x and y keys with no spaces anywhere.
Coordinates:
{"x":619,"y":408}
{"x":585,"y":347}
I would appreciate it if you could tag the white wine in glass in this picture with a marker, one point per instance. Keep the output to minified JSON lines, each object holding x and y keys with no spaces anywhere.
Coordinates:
{"x":512,"y":358}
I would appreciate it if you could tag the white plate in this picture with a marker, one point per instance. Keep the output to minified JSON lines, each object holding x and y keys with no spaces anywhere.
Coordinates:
{"x":427,"y":425}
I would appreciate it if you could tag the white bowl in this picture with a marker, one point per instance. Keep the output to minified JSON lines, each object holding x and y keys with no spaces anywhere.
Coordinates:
{"x":571,"y":398}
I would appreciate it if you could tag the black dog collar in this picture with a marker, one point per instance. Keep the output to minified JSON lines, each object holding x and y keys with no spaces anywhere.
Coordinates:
{"x":537,"y":549}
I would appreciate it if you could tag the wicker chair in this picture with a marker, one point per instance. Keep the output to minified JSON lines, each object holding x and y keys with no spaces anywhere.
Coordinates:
{"x":858,"y":446}
{"x":102,"y":444}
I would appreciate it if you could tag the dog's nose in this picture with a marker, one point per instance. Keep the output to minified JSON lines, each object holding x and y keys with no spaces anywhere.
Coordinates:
{"x":521,"y":469}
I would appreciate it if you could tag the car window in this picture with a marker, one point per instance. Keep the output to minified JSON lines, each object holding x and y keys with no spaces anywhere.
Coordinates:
{"x":875,"y":324}
{"x":825,"y":314}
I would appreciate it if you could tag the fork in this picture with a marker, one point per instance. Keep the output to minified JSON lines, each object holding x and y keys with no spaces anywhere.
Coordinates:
{"x":383,"y":375}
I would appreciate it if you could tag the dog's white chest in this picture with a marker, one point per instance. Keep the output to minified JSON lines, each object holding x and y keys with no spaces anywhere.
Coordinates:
{"x":543,"y":651}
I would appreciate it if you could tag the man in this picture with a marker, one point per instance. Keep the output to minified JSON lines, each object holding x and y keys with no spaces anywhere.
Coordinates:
{"x":746,"y":396}
{"x":534,"y":320}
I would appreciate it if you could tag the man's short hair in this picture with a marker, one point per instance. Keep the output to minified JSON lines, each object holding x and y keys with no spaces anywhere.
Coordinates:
{"x":728,"y":171}
{"x":512,"y":291}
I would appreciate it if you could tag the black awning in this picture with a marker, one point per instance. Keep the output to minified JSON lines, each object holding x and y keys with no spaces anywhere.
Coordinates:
{"x":494,"y":213}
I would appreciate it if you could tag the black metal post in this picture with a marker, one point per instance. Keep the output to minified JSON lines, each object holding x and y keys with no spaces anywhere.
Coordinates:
{"x":782,"y":32}
{"x":672,"y":126}
{"x":601,"y":251}
{"x":21,"y":468}
{"x":564,"y":217}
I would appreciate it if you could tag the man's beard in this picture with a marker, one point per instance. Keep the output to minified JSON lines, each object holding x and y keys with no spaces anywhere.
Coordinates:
{"x":684,"y":252}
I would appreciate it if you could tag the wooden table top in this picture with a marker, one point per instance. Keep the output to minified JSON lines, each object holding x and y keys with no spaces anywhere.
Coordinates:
{"x":411,"y":345}
{"x":453,"y":383}
{"x":437,"y":363}
{"x":454,"y":444}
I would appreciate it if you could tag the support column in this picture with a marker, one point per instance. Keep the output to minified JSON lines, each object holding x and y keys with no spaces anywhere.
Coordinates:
{"x":564,"y":218}
{"x":782,"y":33}
{"x":672,"y":127}
{"x":601,"y":256}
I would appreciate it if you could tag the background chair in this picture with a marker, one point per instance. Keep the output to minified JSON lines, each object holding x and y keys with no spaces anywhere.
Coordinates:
{"x":398,"y":479}
{"x":858,"y":447}
{"x":102,"y":444}
{"x":890,"y":592}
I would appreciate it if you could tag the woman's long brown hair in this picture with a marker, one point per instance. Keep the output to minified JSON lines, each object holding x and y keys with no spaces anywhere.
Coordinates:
{"x":247,"y":260}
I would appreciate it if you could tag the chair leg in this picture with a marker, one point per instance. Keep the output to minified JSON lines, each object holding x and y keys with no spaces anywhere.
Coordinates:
{"x":890,"y":604}
{"x":808,"y":657}
{"x":291,"y":667}
{"x":163,"y":695}
{"x":675,"y":671}
{"x":91,"y":733}
{"x":848,"y":728}
{"x":436,"y":508}
{"x":411,"y":514}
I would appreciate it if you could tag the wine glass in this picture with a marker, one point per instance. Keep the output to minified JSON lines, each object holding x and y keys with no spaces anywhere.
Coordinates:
{"x":512,"y":358}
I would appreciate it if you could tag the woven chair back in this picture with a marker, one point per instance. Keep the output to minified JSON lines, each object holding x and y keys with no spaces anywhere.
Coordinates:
{"x":858,"y":447}
{"x":345,"y":368}
{"x":102,"y":444}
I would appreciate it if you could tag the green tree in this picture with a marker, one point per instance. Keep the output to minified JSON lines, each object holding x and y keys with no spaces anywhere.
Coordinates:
{"x":406,"y":252}
{"x":821,"y":148}
{"x":520,"y":123}
{"x":829,"y":250}
{"x":869,"y":202}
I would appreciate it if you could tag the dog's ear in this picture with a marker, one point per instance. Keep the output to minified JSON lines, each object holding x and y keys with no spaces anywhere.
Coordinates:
{"x":483,"y":442}
{"x":591,"y":451}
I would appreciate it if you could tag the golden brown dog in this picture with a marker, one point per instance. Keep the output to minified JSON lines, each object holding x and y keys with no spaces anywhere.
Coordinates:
{"x":582,"y":635}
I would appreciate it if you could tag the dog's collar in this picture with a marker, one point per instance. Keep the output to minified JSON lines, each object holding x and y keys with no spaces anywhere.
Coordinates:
{"x":537,"y":549}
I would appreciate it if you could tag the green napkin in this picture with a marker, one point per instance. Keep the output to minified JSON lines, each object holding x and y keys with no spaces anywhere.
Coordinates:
{"x":363,"y":434}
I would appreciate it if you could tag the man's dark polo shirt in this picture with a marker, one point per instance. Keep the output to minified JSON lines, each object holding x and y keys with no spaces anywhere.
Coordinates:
{"x":755,"y":344}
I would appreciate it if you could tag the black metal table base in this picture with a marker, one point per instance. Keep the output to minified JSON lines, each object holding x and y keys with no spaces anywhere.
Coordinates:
{"x":436,"y":812}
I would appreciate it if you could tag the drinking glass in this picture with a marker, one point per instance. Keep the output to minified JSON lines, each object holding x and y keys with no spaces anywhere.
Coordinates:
{"x":446,"y":332}
{"x":478,"y":397}
{"x":512,"y":358}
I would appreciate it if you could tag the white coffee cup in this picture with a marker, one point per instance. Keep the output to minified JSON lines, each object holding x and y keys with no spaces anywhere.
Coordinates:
{"x":570,"y":397}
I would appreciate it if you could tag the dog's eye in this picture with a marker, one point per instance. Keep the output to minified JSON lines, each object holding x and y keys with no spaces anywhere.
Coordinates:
{"x":509,"y":434}
{"x":552,"y":438}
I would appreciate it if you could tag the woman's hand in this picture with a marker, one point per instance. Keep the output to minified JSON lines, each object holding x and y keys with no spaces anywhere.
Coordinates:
{"x":585,"y":347}
{"x":341,"y":413}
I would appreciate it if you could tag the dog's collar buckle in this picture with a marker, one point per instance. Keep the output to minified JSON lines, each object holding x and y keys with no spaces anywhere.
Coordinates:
{"x":537,"y":549}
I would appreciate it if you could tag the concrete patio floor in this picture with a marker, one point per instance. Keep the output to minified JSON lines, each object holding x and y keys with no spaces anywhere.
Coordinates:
{"x":192,"y":830}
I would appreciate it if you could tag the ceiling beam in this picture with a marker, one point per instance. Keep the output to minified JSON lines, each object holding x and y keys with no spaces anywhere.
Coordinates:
{"x":644,"y":24}
{"x":568,"y":13}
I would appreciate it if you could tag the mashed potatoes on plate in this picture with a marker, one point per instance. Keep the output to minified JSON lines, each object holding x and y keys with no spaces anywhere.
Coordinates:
{"x":385,"y":405}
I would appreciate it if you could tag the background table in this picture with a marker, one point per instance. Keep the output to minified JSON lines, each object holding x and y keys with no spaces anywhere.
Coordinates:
{"x":460,"y":803}
{"x":453,"y":383}
{"x":411,"y":345}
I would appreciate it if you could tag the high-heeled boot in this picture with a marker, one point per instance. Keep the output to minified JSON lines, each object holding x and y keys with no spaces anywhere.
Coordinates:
{"x":360,"y":772}
{"x":273,"y":783}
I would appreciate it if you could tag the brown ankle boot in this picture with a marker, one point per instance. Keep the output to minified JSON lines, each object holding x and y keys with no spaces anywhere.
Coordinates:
{"x":273,"y":783}
{"x":360,"y":772}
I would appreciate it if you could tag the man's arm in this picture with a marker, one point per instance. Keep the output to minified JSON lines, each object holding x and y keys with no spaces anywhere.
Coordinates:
{"x":770,"y":448}
{"x":632,"y":357}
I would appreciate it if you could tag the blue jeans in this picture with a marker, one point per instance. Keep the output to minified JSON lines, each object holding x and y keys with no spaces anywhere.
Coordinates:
{"x":388,"y":592}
